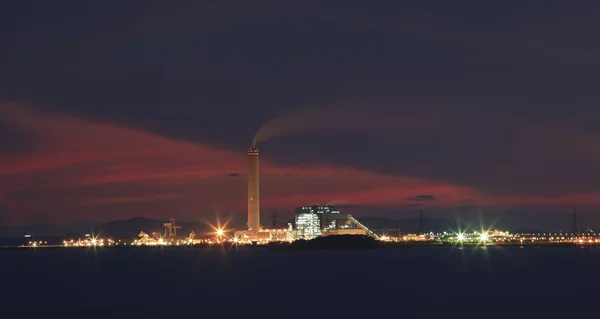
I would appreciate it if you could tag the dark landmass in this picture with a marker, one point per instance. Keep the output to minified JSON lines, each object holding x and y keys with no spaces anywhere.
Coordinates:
{"x":126,"y":228}
{"x":291,"y":247}
{"x":434,"y":225}
{"x":335,"y":242}
{"x":132,"y":227}
{"x":38,"y":230}
{"x":361,"y":242}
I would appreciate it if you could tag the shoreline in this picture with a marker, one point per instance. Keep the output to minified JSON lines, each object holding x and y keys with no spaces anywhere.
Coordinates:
{"x":290,"y":247}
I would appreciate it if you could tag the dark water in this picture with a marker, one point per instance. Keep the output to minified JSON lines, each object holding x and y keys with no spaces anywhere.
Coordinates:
{"x":122,"y":277}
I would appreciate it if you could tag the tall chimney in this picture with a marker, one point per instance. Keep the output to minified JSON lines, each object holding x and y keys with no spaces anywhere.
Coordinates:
{"x":253,"y":194}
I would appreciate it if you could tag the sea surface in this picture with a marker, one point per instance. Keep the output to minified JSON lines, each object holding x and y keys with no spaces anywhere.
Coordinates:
{"x":417,"y":279}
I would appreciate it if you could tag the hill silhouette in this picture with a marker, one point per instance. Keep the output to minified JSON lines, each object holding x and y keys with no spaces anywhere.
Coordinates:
{"x":132,"y":227}
{"x":336,"y":242}
{"x":117,"y":228}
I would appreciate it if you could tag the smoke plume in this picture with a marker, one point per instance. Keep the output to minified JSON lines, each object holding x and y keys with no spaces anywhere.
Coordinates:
{"x":355,"y":118}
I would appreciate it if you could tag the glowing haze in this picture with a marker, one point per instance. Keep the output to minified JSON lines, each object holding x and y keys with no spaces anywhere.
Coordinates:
{"x":365,"y":116}
{"x":77,"y":169}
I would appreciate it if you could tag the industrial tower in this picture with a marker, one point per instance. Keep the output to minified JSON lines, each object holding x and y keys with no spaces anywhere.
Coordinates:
{"x":253,"y":192}
{"x":171,"y":228}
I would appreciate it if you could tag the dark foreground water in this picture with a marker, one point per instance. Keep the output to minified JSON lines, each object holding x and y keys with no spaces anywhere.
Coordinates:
{"x":418,"y":279}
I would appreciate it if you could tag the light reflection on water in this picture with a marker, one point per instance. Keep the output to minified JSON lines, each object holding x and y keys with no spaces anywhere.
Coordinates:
{"x":213,"y":274}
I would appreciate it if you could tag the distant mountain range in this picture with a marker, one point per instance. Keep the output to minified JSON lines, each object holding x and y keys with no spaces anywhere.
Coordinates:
{"x":118,"y":228}
{"x":132,"y":227}
{"x":412,"y":226}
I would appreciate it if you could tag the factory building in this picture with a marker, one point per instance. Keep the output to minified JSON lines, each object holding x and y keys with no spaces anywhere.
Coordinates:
{"x":311,"y":221}
{"x":317,"y":220}
{"x":308,"y":225}
{"x":265,"y":235}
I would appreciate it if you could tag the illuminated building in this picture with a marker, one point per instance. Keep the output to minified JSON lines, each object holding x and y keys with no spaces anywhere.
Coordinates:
{"x":290,"y":234}
{"x":317,"y":220}
{"x":329,"y":216}
{"x":308,"y":226}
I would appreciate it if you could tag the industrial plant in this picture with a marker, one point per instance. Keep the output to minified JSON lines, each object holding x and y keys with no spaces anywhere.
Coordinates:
{"x":311,"y":221}
{"x":316,"y":221}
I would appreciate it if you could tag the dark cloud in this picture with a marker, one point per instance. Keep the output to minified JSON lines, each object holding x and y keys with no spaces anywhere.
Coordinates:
{"x":422,"y":198}
{"x":14,"y":140}
{"x":349,"y":208}
{"x":496,"y":98}
{"x":461,"y":144}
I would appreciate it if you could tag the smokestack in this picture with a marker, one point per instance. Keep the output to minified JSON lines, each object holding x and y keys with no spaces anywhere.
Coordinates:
{"x":253,"y":194}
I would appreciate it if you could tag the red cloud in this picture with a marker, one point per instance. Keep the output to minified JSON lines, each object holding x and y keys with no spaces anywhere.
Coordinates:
{"x":80,"y":169}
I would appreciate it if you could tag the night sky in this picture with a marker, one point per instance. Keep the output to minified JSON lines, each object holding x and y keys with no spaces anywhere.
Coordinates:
{"x":116,"y":109}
